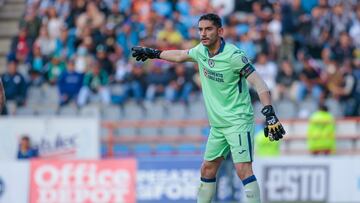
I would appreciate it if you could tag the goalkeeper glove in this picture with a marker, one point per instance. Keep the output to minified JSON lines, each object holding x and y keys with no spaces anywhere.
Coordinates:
{"x":143,"y":53}
{"x":273,"y":128}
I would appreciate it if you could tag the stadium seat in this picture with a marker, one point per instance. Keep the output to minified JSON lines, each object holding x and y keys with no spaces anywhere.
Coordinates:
{"x":307,"y":107}
{"x":90,"y":111}
{"x":133,"y":111}
{"x":24,"y":111}
{"x":285,"y":109}
{"x":47,"y":110}
{"x":111,"y":112}
{"x":68,"y":110}
{"x":193,"y":130}
{"x":187,"y":148}
{"x":175,"y":111}
{"x":164,"y":149}
{"x":121,"y":150}
{"x":154,"y":111}
{"x":51,"y":94}
{"x":171,"y":131}
{"x":150,"y":131}
{"x":334,"y":107}
{"x":34,"y":95}
{"x":142,"y":150}
{"x":197,"y":110}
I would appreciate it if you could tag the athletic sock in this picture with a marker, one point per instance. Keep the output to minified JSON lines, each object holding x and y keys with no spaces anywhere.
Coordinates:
{"x":252,"y":191}
{"x":206,"y":190}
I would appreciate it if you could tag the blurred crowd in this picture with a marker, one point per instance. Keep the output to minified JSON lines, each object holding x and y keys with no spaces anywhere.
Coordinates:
{"x":304,"y":49}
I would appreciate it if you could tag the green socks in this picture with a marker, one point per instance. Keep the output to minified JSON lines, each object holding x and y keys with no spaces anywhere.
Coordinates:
{"x":252,"y":191}
{"x":206,"y":190}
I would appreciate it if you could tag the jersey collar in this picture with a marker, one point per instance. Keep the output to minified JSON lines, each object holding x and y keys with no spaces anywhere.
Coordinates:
{"x":221,"y":48}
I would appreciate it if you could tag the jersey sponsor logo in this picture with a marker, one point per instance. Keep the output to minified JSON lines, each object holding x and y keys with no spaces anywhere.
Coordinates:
{"x":212,"y":75}
{"x":296,"y":183}
{"x":211,"y":63}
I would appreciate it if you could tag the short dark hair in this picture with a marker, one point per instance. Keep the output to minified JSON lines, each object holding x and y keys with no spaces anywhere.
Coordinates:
{"x":215,"y":19}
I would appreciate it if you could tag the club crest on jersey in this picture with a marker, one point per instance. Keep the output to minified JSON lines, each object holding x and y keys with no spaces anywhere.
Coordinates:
{"x":211,"y":63}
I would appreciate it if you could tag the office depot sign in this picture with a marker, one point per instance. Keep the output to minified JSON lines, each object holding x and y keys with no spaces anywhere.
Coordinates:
{"x":83,"y":181}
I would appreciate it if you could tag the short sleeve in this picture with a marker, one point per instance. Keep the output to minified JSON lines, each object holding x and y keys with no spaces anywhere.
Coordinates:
{"x":193,"y":52}
{"x":241,"y":64}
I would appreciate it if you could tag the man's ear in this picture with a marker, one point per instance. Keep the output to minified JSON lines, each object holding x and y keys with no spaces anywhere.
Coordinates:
{"x":220,"y":31}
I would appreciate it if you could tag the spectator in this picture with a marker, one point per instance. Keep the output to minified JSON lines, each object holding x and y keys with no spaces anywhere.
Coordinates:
{"x":77,"y":7}
{"x":283,"y":30}
{"x":45,"y":42}
{"x":344,"y":48}
{"x":26,"y":150}
{"x":92,"y":18}
{"x":37,"y":67}
{"x":247,"y":45}
{"x":95,"y":84}
{"x":82,"y":59}
{"x":267,"y":70}
{"x":32,"y":23}
{"x":65,"y":44}
{"x":69,"y":84}
{"x":109,"y":38}
{"x":21,"y":46}
{"x":103,"y":59}
{"x":321,"y":132}
{"x":342,"y":85}
{"x":62,"y":8}
{"x":135,"y":83}
{"x":169,"y":37}
{"x":162,"y":7}
{"x":14,"y":84}
{"x":286,"y":82}
{"x":355,"y":28}
{"x":55,"y":68}
{"x":54,"y":23}
{"x":157,"y":80}
{"x":180,"y":85}
{"x":124,"y":37}
{"x":340,"y":20}
{"x":310,"y":82}
{"x":179,"y":25}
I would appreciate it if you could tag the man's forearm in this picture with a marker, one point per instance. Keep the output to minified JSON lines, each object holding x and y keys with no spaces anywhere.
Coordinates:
{"x":175,"y":55}
{"x":261,"y":88}
{"x":265,"y":98}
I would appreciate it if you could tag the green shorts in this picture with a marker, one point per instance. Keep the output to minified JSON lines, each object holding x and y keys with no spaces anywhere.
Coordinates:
{"x":237,"y":139}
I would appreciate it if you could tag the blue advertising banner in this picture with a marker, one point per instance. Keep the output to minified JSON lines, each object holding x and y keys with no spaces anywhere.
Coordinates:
{"x":176,"y":180}
{"x":168,"y":179}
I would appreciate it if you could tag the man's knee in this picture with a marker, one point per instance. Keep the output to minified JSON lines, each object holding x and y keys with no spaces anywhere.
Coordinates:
{"x":209,"y":168}
{"x":244,"y":170}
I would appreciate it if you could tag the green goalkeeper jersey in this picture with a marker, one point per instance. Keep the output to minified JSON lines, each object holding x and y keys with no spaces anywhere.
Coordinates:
{"x":224,"y":87}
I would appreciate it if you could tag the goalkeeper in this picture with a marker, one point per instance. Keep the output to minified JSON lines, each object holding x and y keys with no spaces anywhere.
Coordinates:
{"x":224,"y":70}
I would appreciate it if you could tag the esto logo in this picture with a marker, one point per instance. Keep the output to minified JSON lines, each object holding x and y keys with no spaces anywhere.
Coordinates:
{"x":296,"y":183}
{"x":2,"y":187}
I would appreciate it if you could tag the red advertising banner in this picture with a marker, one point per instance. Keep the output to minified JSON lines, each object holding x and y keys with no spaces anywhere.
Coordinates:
{"x":61,"y":181}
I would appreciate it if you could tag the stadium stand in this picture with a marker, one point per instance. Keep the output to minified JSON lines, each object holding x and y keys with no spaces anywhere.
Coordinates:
{"x":308,"y":56}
